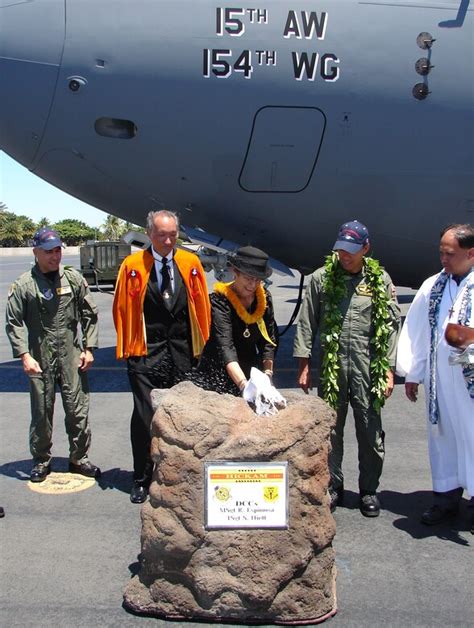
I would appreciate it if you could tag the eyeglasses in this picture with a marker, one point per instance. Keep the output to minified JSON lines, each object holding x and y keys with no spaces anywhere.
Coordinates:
{"x":249,"y":278}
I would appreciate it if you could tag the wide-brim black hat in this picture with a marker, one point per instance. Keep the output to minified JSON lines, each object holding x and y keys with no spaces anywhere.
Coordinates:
{"x":251,"y":261}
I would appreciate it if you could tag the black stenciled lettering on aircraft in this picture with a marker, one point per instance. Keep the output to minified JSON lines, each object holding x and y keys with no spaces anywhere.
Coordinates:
{"x":306,"y":66}
{"x":220,"y":62}
{"x":329,"y":73}
{"x":310,"y":25}
{"x":259,"y":16}
{"x":228,"y":20}
{"x":220,"y":66}
{"x":244,"y":64}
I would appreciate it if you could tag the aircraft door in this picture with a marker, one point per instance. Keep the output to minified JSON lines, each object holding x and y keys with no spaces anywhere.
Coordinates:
{"x":283,"y":149}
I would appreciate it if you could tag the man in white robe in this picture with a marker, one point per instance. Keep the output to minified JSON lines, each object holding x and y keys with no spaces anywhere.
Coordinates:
{"x":424,"y":356}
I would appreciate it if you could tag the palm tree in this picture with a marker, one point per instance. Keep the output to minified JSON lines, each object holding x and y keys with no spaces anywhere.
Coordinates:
{"x":43,"y":222}
{"x":130,"y":226}
{"x":27,"y":227}
{"x":3,"y":207}
{"x":113,"y":228}
{"x":11,"y":231}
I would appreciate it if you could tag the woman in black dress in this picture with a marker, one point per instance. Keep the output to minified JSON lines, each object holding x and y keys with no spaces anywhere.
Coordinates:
{"x":243,"y":329}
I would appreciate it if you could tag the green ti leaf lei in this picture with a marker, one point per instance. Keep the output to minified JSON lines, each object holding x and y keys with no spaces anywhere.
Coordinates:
{"x":334,"y":287}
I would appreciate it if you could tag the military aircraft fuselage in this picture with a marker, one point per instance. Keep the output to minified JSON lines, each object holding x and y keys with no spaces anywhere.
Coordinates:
{"x":270,"y":124}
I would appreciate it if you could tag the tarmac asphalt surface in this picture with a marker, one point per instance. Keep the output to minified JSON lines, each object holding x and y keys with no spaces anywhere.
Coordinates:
{"x":66,"y":558}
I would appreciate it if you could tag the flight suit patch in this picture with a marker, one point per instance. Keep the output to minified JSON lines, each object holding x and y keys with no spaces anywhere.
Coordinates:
{"x":364,"y":290}
{"x":47,"y":294}
{"x":63,"y":290}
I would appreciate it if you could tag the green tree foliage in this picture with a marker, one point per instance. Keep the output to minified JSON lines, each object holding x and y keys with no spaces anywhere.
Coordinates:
{"x":113,"y":228}
{"x":129,"y":226}
{"x":15,"y":230}
{"x":18,"y":230}
{"x":43,"y":222}
{"x":74,"y":232}
{"x":10,"y":229}
{"x":28,"y":228}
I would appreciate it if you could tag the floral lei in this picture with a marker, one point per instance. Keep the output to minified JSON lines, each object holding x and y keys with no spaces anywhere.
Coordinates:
{"x":226,"y":290}
{"x":334,"y":287}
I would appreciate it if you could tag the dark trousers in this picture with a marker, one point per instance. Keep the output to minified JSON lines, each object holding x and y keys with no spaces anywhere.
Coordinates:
{"x":140,"y":425}
{"x":370,"y":439}
{"x":74,"y":388}
{"x":143,"y":379}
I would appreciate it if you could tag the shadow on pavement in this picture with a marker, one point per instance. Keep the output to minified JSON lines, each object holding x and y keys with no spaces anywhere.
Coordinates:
{"x":115,"y":478}
{"x":412,"y":505}
{"x":17,"y":469}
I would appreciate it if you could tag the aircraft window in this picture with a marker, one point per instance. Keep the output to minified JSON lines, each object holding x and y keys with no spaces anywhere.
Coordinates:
{"x":116,"y":128}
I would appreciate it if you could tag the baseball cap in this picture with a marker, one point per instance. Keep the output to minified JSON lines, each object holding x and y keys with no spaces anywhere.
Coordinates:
{"x":46,"y":239}
{"x":352,"y":237}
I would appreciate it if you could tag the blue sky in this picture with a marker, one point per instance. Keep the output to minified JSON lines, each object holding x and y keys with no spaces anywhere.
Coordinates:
{"x":26,"y":194}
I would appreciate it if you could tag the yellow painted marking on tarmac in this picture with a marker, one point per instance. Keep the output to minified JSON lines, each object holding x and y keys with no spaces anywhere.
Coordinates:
{"x":62,"y":483}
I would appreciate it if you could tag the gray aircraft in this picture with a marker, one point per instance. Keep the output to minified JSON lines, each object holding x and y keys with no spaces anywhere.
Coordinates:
{"x":270,"y":125}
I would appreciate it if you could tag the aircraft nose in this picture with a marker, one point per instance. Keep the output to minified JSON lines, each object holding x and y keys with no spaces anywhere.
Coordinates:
{"x":31,"y":45}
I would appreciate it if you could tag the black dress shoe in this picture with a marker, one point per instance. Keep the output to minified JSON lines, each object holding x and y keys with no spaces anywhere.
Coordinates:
{"x":369,"y":505}
{"x":84,"y":468}
{"x":336,"y":495}
{"x":437,"y":514}
{"x":40,"y":471}
{"x":138,"y":494}
{"x":2,"y":512}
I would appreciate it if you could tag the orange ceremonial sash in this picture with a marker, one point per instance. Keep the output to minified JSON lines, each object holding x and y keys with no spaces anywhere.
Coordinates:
{"x":130,"y":293}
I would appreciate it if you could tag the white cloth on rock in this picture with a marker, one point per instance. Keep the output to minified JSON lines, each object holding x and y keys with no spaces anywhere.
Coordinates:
{"x":260,"y":392}
{"x":451,"y":441}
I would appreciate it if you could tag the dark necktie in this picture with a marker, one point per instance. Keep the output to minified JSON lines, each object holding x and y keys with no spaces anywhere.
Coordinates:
{"x":165,"y":277}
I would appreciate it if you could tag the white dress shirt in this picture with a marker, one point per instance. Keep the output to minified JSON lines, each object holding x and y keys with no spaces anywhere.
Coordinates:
{"x":159,"y":266}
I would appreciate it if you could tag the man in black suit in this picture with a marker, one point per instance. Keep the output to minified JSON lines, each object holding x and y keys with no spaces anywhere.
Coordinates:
{"x":161,"y":314}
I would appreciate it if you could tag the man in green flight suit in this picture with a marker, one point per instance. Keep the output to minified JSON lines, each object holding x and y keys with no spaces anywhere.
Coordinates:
{"x":351,"y":301}
{"x":51,"y":301}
